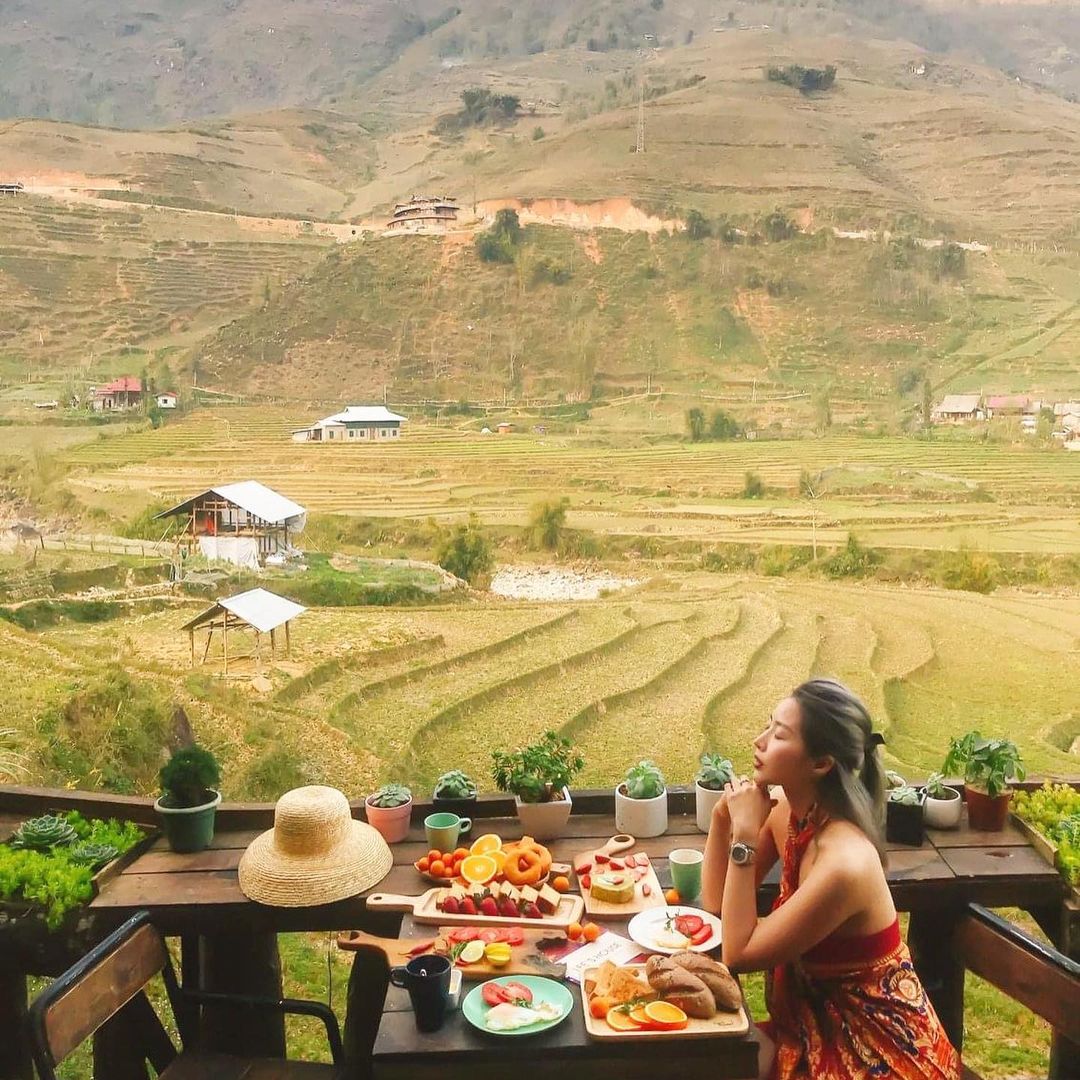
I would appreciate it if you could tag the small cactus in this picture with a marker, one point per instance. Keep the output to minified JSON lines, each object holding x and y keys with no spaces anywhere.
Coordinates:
{"x":43,"y":833}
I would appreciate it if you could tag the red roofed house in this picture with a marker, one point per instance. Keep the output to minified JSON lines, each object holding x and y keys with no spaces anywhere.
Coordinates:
{"x":123,"y":393}
{"x":1007,"y":405}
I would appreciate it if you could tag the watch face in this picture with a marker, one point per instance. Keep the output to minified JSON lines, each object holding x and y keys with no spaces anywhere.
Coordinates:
{"x":741,"y":853}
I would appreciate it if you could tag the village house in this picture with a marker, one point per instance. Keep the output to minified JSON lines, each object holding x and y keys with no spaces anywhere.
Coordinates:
{"x":123,"y":393}
{"x":957,"y":409}
{"x":1009,"y":405}
{"x":166,"y":400}
{"x":366,"y":423}
{"x":244,"y":523}
{"x":424,"y":214}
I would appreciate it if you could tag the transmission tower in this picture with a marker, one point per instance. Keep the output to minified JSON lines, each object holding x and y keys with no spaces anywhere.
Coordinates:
{"x":640,"y":148}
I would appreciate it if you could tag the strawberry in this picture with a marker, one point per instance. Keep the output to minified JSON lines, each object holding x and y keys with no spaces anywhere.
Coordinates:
{"x":584,"y":868}
{"x":616,"y":879}
{"x":468,"y":906}
{"x":450,"y":905}
{"x":618,"y":864}
{"x":642,"y":858}
{"x":508,"y":908}
{"x":488,"y":906}
{"x":646,"y":889}
{"x":631,"y":861}
{"x":601,"y":857}
{"x":585,"y":880}
{"x":532,"y":912}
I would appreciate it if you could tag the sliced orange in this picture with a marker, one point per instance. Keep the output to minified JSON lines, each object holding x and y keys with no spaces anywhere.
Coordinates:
{"x":486,"y":844}
{"x":665,"y":1015}
{"x":640,"y":1017}
{"x":620,"y":1020}
{"x":478,"y":869}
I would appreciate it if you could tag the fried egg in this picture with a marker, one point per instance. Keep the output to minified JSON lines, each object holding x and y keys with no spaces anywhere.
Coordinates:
{"x":508,"y":1017}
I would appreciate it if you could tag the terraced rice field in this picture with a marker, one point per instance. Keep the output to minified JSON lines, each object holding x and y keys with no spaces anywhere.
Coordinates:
{"x":669,"y":489}
{"x":406,"y":695}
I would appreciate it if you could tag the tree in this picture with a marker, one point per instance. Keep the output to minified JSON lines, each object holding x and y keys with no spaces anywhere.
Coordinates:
{"x":948,"y":261}
{"x":823,"y":408}
{"x":753,"y":486}
{"x":723,"y":426}
{"x":546,"y":522}
{"x":778,"y":226}
{"x":466,"y":552}
{"x":695,"y":423}
{"x":697,"y":225}
{"x":927,"y":408}
{"x":498,"y":244}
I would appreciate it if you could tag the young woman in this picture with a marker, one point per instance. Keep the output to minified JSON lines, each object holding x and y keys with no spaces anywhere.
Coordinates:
{"x":845,"y":1002}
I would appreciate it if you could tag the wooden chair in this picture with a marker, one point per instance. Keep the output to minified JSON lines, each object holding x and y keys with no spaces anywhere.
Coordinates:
{"x":106,"y":990}
{"x":1038,"y":976}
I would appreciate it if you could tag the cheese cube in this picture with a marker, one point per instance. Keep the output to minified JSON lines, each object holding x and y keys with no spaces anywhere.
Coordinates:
{"x":529,"y":895}
{"x":549,"y":900}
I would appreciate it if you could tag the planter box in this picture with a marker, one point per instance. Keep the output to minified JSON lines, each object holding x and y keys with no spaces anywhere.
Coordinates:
{"x":1047,"y":849}
{"x":904,"y":823}
{"x":544,"y":820}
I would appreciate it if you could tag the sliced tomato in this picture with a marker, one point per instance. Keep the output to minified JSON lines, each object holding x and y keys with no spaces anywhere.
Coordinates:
{"x":513,"y":935}
{"x":488,"y":936}
{"x":492,"y":993}
{"x":689,"y":925}
{"x":702,"y":935}
{"x":463,"y":933}
{"x":514,"y":991}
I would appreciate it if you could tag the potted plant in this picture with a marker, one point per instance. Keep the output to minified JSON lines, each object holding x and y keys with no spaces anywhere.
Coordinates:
{"x":904,"y":816}
{"x":539,"y":776}
{"x":715,"y":772}
{"x":988,"y":766}
{"x":641,"y":801}
{"x":388,"y":810}
{"x":189,"y":798}
{"x":943,"y":804}
{"x":455,"y":792}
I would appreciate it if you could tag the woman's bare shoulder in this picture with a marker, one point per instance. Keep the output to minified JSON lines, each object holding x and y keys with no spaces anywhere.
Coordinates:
{"x":845,"y":843}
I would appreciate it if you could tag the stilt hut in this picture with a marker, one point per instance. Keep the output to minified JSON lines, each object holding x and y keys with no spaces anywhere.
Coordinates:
{"x":242,"y":523}
{"x":259,"y":610}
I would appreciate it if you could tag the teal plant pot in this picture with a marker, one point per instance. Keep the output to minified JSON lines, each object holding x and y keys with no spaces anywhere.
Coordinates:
{"x":188,"y":828}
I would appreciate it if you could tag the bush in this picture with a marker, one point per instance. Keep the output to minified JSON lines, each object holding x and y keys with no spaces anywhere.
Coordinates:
{"x":805,"y":80}
{"x":778,"y":226}
{"x":466,"y":553}
{"x":546,"y":523}
{"x":499,"y":243}
{"x":723,"y":426}
{"x":695,"y":424}
{"x":948,"y":261}
{"x":550,"y":270}
{"x":697,"y":225}
{"x":853,"y":560}
{"x":753,"y":486}
{"x":972,"y":571}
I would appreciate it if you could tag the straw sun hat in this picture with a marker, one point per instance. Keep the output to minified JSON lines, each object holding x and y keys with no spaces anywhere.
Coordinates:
{"x":315,"y":853}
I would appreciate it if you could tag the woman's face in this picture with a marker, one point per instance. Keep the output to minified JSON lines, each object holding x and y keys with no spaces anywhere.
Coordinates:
{"x":779,"y":754}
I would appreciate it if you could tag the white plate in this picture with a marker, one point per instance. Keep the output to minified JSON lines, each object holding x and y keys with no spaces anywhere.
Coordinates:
{"x":646,"y":925}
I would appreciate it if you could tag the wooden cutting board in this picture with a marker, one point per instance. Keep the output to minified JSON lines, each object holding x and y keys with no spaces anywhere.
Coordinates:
{"x":586,"y":861}
{"x":723,"y":1024}
{"x":528,"y":958}
{"x":423,"y":909}
{"x":604,"y":909}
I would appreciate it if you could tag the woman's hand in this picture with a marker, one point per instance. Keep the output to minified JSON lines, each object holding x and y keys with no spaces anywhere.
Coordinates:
{"x":720,"y":813}
{"x":748,"y":806}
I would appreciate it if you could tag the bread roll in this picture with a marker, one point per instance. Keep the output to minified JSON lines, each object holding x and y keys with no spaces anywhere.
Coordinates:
{"x":680,"y":987}
{"x":724,"y":987}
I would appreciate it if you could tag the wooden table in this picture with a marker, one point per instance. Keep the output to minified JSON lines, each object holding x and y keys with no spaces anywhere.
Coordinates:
{"x":229,"y":942}
{"x":403,"y":1053}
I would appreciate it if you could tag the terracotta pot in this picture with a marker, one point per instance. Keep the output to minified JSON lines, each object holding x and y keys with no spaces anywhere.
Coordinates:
{"x":391,"y":821}
{"x":986,"y":814}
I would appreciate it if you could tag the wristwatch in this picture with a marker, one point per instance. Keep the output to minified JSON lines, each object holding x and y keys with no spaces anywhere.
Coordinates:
{"x":742,"y":854}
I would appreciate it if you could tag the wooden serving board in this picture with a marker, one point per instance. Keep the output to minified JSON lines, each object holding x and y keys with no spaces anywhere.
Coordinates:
{"x":604,"y":909}
{"x":528,"y":958}
{"x":423,"y":909}
{"x":722,"y":1025}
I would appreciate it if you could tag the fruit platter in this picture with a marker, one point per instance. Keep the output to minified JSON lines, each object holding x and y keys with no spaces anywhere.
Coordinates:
{"x":525,"y":1005}
{"x":675,"y":929}
{"x":685,"y":995}
{"x":518,"y":862}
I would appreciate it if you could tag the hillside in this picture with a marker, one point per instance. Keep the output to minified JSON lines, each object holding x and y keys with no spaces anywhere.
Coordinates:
{"x":151,"y":62}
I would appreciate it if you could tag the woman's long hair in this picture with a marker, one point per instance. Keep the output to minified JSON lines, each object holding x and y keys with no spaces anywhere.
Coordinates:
{"x":835,"y":724}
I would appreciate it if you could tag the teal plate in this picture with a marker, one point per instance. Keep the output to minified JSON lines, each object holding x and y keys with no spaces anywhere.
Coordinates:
{"x":475,"y":1008}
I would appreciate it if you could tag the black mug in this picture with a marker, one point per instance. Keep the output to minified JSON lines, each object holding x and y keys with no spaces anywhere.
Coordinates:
{"x":427,"y":979}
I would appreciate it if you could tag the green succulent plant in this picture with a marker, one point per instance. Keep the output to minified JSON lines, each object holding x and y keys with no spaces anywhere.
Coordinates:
{"x":93,"y":855}
{"x":455,"y":785}
{"x":936,"y":787}
{"x":905,"y":796}
{"x":644,"y":780}
{"x":716,"y":771}
{"x":389,"y":796}
{"x":43,"y":833}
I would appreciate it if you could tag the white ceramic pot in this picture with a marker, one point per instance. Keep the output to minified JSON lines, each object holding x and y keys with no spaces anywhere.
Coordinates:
{"x":943,"y":813}
{"x":544,"y":820}
{"x":705,"y":799}
{"x":640,"y":817}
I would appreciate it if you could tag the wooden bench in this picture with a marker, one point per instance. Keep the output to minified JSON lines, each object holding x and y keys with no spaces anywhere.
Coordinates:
{"x":1038,"y":976}
{"x":105,"y":994}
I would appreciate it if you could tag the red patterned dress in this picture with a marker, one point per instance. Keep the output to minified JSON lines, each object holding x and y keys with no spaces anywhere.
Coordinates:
{"x":852,"y":1008}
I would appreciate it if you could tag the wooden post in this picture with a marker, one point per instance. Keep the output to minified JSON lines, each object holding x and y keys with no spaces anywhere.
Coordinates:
{"x":225,"y":640}
{"x":272,"y":646}
{"x":368,"y":982}
{"x":930,"y":936}
{"x":191,"y":640}
{"x":286,"y":639}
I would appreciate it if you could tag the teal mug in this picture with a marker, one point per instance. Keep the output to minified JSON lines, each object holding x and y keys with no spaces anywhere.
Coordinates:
{"x":443,"y":830}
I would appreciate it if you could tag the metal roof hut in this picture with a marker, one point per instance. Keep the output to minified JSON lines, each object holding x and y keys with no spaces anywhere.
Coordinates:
{"x":241,"y":523}
{"x":257,"y":609}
